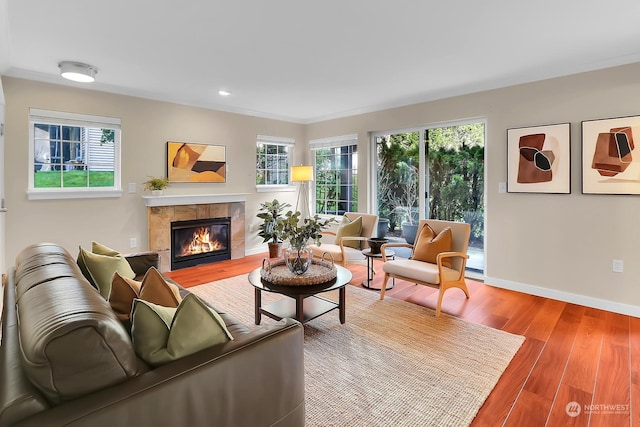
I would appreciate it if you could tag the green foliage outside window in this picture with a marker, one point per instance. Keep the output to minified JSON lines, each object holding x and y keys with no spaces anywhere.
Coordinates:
{"x":336,"y":180}
{"x":456,"y":175}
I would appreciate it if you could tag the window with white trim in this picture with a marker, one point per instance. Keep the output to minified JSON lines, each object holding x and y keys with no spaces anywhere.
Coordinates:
{"x":73,"y":155}
{"x":336,"y":174}
{"x":273,"y":162}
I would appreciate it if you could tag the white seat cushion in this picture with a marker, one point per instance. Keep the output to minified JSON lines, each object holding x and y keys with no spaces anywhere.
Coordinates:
{"x":351,"y":253}
{"x":418,"y":270}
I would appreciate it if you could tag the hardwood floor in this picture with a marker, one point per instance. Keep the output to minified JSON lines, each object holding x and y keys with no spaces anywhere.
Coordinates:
{"x":571,"y":353}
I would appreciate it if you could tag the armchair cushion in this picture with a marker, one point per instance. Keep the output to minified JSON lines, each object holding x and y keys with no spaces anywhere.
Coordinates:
{"x":349,"y":228}
{"x":419,"y":270}
{"x":429,"y":245}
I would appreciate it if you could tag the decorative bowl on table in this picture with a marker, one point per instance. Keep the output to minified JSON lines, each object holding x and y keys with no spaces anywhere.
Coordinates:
{"x":375,"y":243}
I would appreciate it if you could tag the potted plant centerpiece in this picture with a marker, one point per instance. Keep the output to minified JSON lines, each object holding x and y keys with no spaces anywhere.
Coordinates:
{"x":156,"y":185}
{"x":298,"y":232}
{"x":271,"y":215}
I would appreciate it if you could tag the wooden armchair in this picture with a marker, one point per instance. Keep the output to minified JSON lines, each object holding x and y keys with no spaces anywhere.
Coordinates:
{"x":342,"y":254}
{"x":436,"y":274}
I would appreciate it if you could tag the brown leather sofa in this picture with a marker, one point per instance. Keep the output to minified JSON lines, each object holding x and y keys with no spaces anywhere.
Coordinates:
{"x":65,"y":359}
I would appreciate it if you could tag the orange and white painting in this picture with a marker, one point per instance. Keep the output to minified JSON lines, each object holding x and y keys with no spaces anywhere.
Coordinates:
{"x":188,"y":162}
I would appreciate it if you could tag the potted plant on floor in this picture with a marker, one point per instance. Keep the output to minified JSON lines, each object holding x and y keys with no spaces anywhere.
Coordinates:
{"x":156,"y":185}
{"x":271,"y":216}
{"x":298,"y":232}
{"x":401,"y":196}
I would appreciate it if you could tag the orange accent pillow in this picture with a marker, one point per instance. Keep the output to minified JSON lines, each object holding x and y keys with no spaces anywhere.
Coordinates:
{"x":153,"y":288}
{"x":427,"y":249}
{"x":423,"y":237}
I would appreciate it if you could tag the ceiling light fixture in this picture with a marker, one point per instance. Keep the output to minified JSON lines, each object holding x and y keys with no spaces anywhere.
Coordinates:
{"x":223,"y":92}
{"x":77,"y":71}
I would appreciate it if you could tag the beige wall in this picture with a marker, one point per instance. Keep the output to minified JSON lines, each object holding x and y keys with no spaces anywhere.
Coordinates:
{"x":146,"y":126}
{"x":560,"y":246}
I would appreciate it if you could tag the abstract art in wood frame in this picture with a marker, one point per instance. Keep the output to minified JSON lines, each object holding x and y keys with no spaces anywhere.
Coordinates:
{"x":610,"y":163}
{"x":188,"y":162}
{"x":539,"y":159}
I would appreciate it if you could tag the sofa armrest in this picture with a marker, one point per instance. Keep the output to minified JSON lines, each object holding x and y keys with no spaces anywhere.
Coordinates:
{"x":140,"y":262}
{"x":222,"y":386}
{"x":18,"y":397}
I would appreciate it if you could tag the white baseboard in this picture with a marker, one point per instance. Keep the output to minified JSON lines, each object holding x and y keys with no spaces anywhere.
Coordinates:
{"x":615,"y":307}
{"x":254,"y":251}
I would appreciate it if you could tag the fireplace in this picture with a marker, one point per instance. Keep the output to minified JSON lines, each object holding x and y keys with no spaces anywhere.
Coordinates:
{"x":200,"y":241}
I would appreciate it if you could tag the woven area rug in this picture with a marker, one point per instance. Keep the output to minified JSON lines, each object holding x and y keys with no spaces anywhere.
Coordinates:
{"x":391,"y":364}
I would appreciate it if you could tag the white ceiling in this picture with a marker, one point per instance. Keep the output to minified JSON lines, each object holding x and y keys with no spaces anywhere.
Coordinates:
{"x":306,"y":61}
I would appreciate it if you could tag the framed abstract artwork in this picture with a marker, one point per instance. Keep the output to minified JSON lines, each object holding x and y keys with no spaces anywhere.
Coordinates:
{"x":187,"y":162}
{"x":539,"y":159}
{"x":610,"y":163}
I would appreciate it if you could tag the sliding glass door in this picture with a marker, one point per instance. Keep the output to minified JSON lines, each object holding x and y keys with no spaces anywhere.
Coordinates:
{"x":432,"y":172}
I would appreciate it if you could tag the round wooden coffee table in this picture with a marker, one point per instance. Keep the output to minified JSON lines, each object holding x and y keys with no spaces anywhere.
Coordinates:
{"x":303,"y":303}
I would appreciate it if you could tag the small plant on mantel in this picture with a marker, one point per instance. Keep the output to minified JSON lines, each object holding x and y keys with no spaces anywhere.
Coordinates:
{"x":156,"y":184}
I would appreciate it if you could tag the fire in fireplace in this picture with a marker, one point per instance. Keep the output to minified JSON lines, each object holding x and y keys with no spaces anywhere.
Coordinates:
{"x":200,"y":241}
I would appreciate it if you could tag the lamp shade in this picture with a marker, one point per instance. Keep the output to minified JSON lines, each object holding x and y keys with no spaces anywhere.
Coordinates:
{"x":77,"y":71}
{"x":301,"y":173}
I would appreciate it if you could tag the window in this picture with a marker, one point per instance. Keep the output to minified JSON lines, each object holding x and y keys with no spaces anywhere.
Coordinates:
{"x":336,"y":181}
{"x":273,"y":159}
{"x":73,"y":155}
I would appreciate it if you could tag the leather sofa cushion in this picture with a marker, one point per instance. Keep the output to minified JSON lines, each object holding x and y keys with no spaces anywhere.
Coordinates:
{"x":72,"y":343}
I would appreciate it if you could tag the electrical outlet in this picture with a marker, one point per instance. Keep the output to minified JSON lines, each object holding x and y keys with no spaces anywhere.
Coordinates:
{"x":132,"y":187}
{"x":133,"y":243}
{"x":618,"y":266}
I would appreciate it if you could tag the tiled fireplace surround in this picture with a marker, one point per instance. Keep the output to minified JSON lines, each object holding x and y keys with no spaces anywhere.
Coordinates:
{"x":162,"y":210}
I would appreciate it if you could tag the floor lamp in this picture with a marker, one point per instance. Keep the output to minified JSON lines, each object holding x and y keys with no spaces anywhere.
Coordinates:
{"x":303,"y":175}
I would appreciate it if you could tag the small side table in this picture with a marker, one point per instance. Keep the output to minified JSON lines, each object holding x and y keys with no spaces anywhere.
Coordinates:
{"x":370,"y":270}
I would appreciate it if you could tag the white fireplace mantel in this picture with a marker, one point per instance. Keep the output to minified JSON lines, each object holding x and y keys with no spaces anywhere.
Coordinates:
{"x":193,"y":199}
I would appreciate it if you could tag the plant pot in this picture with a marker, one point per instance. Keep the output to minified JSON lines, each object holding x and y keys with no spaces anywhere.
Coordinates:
{"x":274,"y":250}
{"x":383,"y":227}
{"x":409,"y":231}
{"x":298,"y":260}
{"x":156,"y":193}
{"x":375,"y":244}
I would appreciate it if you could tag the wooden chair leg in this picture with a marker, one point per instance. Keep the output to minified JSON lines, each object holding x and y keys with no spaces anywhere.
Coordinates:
{"x":439,"y":304}
{"x":464,"y":288}
{"x":384,"y":285}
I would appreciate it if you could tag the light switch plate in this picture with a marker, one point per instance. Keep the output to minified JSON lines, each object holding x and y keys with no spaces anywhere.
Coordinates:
{"x":132,"y":187}
{"x":502,"y":187}
{"x":618,"y":266}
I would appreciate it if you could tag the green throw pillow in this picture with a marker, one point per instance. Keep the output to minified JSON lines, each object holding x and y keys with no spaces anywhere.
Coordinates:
{"x":163,"y":334}
{"x":100,"y":269}
{"x":349,"y":228}
{"x":98,"y":248}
